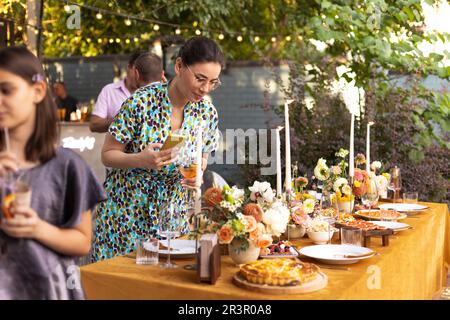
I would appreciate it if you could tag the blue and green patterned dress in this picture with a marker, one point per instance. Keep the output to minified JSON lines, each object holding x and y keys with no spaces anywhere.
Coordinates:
{"x":135,"y":195}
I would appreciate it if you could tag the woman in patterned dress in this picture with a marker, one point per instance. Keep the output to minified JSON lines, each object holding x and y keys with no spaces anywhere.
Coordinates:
{"x":144,"y":178}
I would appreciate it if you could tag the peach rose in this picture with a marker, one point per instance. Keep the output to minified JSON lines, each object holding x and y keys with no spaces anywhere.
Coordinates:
{"x":250,"y":223}
{"x":253,"y":209}
{"x":264,"y":241}
{"x":213,"y":196}
{"x":225,"y":234}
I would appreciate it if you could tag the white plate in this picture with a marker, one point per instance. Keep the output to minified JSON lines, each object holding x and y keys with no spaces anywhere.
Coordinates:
{"x":396,"y":226}
{"x":181,"y":247}
{"x":402,"y":207}
{"x":361,"y":214}
{"x":333,"y":253}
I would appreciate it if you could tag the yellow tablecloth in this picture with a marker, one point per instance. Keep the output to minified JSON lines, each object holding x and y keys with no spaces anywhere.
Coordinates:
{"x":413,"y":266}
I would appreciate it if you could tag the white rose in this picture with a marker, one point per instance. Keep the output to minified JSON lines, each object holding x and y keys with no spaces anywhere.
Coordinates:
{"x":347,"y":190}
{"x":339,"y":183}
{"x":308,"y":205}
{"x":375,"y":165}
{"x":321,"y":171}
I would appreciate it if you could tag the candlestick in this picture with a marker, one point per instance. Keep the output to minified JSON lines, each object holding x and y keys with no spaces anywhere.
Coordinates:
{"x":351,"y":162}
{"x":278,"y":160}
{"x":368,"y":146}
{"x":288,"y":145}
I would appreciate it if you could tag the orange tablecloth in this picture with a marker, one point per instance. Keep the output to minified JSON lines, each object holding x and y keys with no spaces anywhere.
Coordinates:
{"x":413,"y":266}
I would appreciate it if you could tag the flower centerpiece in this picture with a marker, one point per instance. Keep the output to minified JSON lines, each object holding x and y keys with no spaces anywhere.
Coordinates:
{"x":382,"y":180}
{"x":246,"y":222}
{"x":335,"y":180}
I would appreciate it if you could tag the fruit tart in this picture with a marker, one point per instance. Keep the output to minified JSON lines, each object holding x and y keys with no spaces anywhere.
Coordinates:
{"x":279,"y":272}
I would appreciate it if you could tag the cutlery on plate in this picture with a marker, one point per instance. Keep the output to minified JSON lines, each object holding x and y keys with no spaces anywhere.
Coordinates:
{"x":332,"y":267}
{"x":351,"y":256}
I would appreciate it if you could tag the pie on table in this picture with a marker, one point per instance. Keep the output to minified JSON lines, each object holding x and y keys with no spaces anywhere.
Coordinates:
{"x":279,"y":272}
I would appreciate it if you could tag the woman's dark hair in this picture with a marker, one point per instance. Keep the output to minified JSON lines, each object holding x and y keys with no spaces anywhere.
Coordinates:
{"x":201,"y":49}
{"x":41,"y":146}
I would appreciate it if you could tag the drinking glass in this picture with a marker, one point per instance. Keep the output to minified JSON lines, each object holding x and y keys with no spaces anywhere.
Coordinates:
{"x":395,"y":184}
{"x":370,"y":198}
{"x":188,"y":168}
{"x":15,"y":190}
{"x":147,"y":250}
{"x":410,"y":197}
{"x":169,"y":227}
{"x":352,"y":237}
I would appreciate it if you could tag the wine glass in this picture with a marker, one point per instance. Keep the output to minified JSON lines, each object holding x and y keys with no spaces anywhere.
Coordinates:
{"x":370,"y":198}
{"x":188,"y":168}
{"x":395,"y":184}
{"x":329,"y":210}
{"x":169,"y":227}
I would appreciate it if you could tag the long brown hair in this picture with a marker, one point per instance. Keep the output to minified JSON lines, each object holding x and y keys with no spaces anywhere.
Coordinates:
{"x":41,"y":146}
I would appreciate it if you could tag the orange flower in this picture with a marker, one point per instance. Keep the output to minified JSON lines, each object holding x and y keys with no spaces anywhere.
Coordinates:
{"x":250,"y":223}
{"x":264,"y":241}
{"x":226,"y":234}
{"x":213,"y":196}
{"x":252,"y":209}
{"x":254,"y":235}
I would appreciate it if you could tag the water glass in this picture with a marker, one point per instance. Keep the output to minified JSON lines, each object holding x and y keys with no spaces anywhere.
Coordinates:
{"x":410,"y":197}
{"x":147,"y":250}
{"x":352,"y":237}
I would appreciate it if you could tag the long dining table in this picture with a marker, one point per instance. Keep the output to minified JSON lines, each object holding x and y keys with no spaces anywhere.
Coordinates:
{"x":413,"y":266}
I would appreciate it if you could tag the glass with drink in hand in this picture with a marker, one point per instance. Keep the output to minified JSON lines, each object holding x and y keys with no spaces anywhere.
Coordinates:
{"x":188,"y":169}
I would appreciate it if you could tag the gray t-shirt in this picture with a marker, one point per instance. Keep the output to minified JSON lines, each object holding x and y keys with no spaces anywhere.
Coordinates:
{"x":62,"y":189}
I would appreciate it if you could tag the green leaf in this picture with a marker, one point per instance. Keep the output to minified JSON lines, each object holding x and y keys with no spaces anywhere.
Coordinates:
{"x":416,"y":155}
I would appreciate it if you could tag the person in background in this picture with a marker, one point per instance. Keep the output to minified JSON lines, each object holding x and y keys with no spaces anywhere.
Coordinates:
{"x":40,"y":239}
{"x":64,"y":100}
{"x":143,"y":68}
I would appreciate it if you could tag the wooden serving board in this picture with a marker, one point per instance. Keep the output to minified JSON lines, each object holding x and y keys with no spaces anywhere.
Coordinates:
{"x":319,"y":283}
{"x":367,"y":234}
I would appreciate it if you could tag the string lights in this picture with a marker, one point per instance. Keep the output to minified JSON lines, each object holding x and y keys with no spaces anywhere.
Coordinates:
{"x":178,"y":29}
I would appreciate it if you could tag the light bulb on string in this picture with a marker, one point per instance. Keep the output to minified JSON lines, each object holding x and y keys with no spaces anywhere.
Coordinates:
{"x":99,"y":15}
{"x":239,"y":38}
{"x":88,"y":40}
{"x":127,"y":41}
{"x":66,"y":8}
{"x":117,"y":40}
{"x":111,"y":40}
{"x":177,"y":31}
{"x":136,"y":39}
{"x":288,"y":38}
{"x":128,"y":22}
{"x":156,"y":27}
{"x":19,"y":28}
{"x":221,"y":36}
{"x":273,"y":39}
{"x":99,"y":40}
{"x":198,"y":32}
{"x":257,"y":39}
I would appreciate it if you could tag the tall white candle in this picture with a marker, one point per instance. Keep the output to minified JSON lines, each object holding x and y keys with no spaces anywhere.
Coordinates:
{"x":368,"y":147}
{"x":287,"y":145}
{"x":198,"y":174}
{"x":351,"y":162}
{"x":278,"y":159}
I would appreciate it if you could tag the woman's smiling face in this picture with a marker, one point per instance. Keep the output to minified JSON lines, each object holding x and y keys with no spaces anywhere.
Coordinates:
{"x":198,"y":79}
